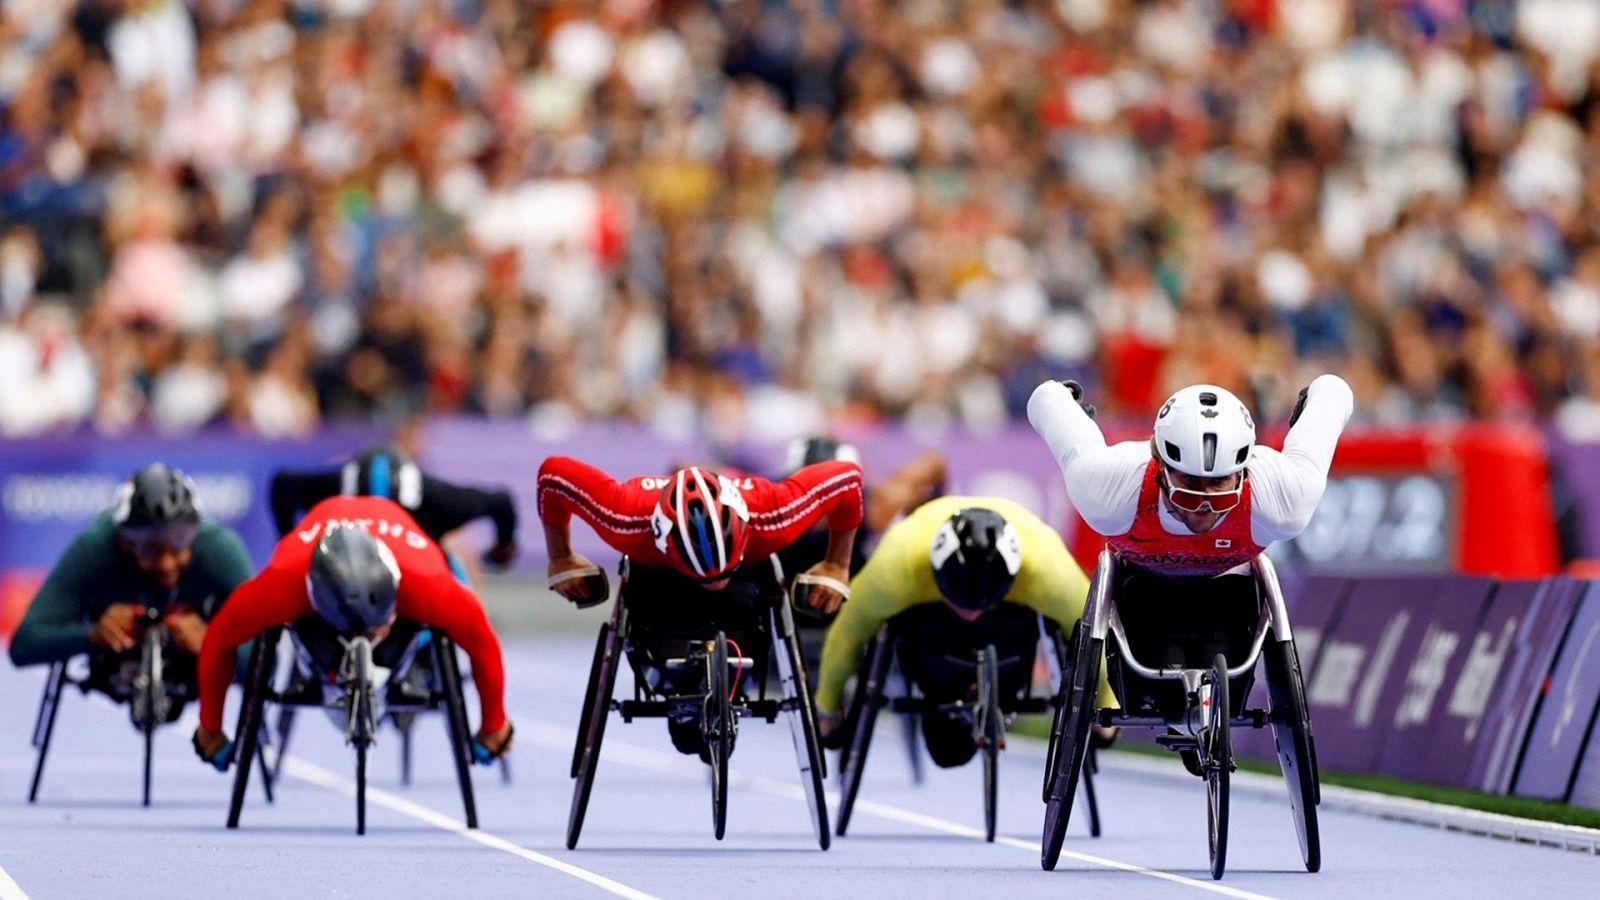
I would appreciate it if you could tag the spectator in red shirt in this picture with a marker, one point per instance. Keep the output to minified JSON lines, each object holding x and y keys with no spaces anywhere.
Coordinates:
{"x":358,"y":563}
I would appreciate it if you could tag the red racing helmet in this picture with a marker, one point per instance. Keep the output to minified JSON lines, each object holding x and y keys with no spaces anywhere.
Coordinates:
{"x":702,"y":524}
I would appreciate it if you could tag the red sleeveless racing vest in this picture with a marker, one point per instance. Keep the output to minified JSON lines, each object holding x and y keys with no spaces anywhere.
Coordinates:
{"x":1149,"y":546}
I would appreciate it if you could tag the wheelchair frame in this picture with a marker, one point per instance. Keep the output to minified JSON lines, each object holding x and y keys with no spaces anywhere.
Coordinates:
{"x":362,"y":718}
{"x":776,"y":623}
{"x":1197,"y":728}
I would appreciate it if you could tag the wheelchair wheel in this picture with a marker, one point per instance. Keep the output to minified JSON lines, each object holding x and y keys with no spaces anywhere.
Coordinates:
{"x":991,"y":734}
{"x":859,"y":723}
{"x":449,"y":669}
{"x":285,"y":729}
{"x":802,"y":720}
{"x":1070,"y":742}
{"x":592,"y":726}
{"x":1297,"y":758}
{"x":718,"y":731}
{"x":1217,"y":757}
{"x":250,"y":712}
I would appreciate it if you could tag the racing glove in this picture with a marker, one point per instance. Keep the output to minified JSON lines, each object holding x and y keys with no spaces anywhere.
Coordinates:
{"x":1077,"y":394}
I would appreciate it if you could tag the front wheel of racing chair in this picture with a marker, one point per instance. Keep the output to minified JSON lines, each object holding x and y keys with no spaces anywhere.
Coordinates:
{"x":802,"y":714}
{"x":718,"y":727}
{"x":1216,"y":755}
{"x":596,"y":711}
{"x":989,"y":729}
{"x":44,"y":725}
{"x":1062,"y":659}
{"x":860,"y":721}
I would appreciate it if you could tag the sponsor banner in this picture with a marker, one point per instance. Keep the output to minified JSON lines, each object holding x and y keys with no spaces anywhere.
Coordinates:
{"x":1492,"y":706}
{"x":50,"y":489}
{"x":1566,"y":712}
{"x":1384,"y":661}
{"x":1579,"y":491}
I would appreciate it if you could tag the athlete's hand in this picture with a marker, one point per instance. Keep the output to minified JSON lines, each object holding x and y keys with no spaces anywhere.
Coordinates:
{"x":188,"y":630}
{"x":830,"y":730}
{"x":500,"y":555}
{"x":213,"y":747}
{"x":1077,"y":394}
{"x":1299,"y":406}
{"x":117,"y":626}
{"x":489,"y":746}
{"x":574,"y":587}
{"x":827,"y":586}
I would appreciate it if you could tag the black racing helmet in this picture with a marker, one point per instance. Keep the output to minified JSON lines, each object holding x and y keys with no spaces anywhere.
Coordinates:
{"x":354,"y":581}
{"x":976,"y":555}
{"x":157,"y":504}
{"x":383,"y":471}
{"x":812,"y":450}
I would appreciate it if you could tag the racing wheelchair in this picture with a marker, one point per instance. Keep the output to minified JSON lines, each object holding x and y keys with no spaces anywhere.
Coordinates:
{"x":359,"y":683}
{"x":156,"y":685}
{"x":706,"y":676}
{"x":1195,"y":701}
{"x":1000,"y":689}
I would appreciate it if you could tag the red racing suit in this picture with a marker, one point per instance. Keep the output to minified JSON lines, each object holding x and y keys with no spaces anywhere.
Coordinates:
{"x":429,"y":594}
{"x":1152,"y":547}
{"x":780,"y":512}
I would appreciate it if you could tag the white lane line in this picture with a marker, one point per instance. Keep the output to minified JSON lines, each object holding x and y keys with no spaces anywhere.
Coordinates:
{"x":673,"y":763}
{"x":315,"y":774}
{"x":9,"y":889}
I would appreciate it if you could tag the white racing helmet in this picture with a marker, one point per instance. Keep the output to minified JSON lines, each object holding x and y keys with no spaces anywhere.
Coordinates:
{"x":1204,"y":431}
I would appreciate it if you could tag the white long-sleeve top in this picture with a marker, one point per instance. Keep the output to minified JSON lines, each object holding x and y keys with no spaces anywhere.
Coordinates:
{"x":1103,"y":481}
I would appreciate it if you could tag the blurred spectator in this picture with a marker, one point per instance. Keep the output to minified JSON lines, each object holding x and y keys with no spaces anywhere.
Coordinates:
{"x":751,"y":217}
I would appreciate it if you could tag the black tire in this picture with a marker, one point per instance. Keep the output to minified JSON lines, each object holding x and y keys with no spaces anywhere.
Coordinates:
{"x":1217,"y":757}
{"x":718,"y":731}
{"x":285,"y":730}
{"x":860,"y":725}
{"x":802,"y":720}
{"x":257,"y":686}
{"x":1072,"y":739}
{"x":153,"y":691}
{"x":266,"y":770}
{"x":1297,"y":757}
{"x":592,"y":728}
{"x":444,"y":657}
{"x":405,"y":751}
{"x":361,"y":787}
{"x":993,"y":735}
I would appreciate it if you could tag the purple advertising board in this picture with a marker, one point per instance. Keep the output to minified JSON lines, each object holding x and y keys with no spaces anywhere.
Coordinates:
{"x":1566,"y":712}
{"x":50,"y":489}
{"x":1496,"y":697}
{"x":1384,"y":661}
{"x":1314,"y":603}
{"x":1574,"y":464}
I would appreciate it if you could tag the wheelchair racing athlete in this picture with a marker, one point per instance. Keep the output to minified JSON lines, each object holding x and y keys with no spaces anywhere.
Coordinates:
{"x":1194,"y":505}
{"x":151,"y":551}
{"x":690,"y":539}
{"x":438,"y":506}
{"x":969,"y":571}
{"x":355,"y":565}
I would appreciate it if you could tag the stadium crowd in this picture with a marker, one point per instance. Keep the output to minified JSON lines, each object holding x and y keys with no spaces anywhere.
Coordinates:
{"x":759,"y":217}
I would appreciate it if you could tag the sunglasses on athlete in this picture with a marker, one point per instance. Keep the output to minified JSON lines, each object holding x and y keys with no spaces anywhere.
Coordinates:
{"x":1192,"y":501}
{"x":150,"y":543}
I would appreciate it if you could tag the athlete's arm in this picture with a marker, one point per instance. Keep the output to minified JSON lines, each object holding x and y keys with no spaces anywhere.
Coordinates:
{"x":447,"y":506}
{"x":1102,"y":482}
{"x":274,"y":597}
{"x":781,"y":511}
{"x":912,"y":485}
{"x":444,"y":603}
{"x":56,"y":625}
{"x":1286,"y":487}
{"x":618,"y":512}
{"x":294,"y":493}
{"x":877,"y":593}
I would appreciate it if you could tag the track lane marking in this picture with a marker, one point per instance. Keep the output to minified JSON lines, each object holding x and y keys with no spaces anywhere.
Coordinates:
{"x":555,"y":736}
{"x":314,"y":774}
{"x":9,"y":889}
